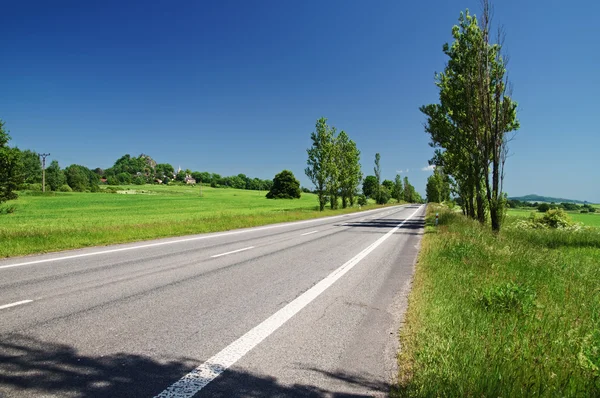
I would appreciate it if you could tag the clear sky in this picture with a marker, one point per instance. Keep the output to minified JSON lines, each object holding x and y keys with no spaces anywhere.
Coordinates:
{"x":235,"y":87}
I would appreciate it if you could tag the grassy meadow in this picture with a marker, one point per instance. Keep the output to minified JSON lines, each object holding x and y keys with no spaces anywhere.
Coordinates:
{"x":513,"y":315}
{"x":59,"y":221}
{"x":588,"y":219}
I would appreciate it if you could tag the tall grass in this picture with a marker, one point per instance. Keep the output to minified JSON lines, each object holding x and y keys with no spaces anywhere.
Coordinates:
{"x":514,"y":315}
{"x":59,"y":221}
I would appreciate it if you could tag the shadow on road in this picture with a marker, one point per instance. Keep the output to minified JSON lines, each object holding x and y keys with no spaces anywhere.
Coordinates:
{"x":388,"y":223}
{"x":30,"y":367}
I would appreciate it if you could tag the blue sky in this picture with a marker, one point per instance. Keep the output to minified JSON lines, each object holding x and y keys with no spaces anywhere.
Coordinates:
{"x":236,"y":87}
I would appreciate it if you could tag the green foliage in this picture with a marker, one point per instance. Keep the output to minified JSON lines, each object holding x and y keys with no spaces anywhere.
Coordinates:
{"x":285,"y":186}
{"x":388,"y":184}
{"x":65,"y":188}
{"x":348,"y":163}
{"x":398,"y":190}
{"x":333,"y":165}
{"x":369,"y":187}
{"x":513,"y":314}
{"x":11,"y":167}
{"x":318,"y":158}
{"x":507,"y":297}
{"x":469,"y":127}
{"x":543,"y":207}
{"x":410,"y":194}
{"x":556,"y":218}
{"x":32,"y":168}
{"x":55,"y":177}
{"x":362,"y":200}
{"x":377,"y":171}
{"x":138,"y":180}
{"x":82,"y":179}
{"x":384,"y":195}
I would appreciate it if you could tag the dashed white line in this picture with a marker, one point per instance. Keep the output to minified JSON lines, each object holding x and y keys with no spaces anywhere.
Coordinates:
{"x":14,"y":304}
{"x":170,"y":242}
{"x":234,"y":251}
{"x":197,"y":379}
{"x":308,"y":233}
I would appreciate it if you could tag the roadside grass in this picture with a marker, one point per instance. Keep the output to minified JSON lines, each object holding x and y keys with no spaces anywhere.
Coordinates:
{"x":514,"y":315}
{"x":58,"y":221}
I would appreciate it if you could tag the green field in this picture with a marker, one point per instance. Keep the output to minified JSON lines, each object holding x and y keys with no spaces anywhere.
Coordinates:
{"x":509,"y":315}
{"x":62,"y":221}
{"x":588,"y":219}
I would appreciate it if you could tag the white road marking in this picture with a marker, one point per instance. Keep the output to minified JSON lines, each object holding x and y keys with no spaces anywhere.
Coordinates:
{"x":197,"y":379}
{"x":14,"y":304}
{"x":308,"y":233}
{"x":234,"y":251}
{"x":217,"y":235}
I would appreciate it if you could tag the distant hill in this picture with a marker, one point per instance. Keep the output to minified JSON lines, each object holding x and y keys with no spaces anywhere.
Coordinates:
{"x":539,"y":198}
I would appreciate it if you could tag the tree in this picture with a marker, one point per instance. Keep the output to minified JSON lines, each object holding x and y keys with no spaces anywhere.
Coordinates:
{"x":285,"y":186}
{"x":369,"y":187}
{"x":11,"y":176}
{"x":349,"y":167}
{"x":318,"y":159}
{"x":469,"y":127}
{"x":438,"y":186}
{"x":32,"y":168}
{"x":397,"y":191}
{"x":377,"y":170}
{"x":55,"y":177}
{"x":384,"y":195}
{"x":409,"y":192}
{"x":388,"y":184}
{"x":543,"y":207}
{"x":77,"y":178}
{"x":163,"y":170}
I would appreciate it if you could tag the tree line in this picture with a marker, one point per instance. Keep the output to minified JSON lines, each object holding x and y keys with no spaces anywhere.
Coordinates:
{"x":470,"y":126}
{"x":333,"y":166}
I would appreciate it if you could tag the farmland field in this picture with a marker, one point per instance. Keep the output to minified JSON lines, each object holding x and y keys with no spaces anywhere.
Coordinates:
{"x":60,"y":221}
{"x":588,"y":219}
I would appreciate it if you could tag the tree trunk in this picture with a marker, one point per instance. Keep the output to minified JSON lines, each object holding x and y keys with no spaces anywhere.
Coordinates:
{"x":344,"y":201}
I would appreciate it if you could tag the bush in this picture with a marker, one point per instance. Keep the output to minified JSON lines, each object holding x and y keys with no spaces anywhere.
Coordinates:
{"x":285,"y":186}
{"x":584,"y":211}
{"x":543,"y":207}
{"x":34,"y":187}
{"x":556,"y":218}
{"x":362,"y":200}
{"x":65,"y":188}
{"x":139,"y":181}
{"x":384,"y":195}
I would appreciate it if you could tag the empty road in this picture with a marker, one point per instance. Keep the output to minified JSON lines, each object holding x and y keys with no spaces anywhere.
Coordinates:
{"x":305,"y":309}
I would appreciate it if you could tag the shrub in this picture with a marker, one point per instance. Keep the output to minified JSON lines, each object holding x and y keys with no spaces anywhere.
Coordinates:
{"x":362,"y":200}
{"x":34,"y":187}
{"x":285,"y":186}
{"x":65,"y":188}
{"x":139,"y":181}
{"x":584,"y":211}
{"x":543,"y":207}
{"x":556,"y":218}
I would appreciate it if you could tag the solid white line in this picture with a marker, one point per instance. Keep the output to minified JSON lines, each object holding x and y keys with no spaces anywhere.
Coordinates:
{"x":217,"y":235}
{"x":234,"y":251}
{"x":200,"y":377}
{"x":14,"y":304}
{"x":308,"y":233}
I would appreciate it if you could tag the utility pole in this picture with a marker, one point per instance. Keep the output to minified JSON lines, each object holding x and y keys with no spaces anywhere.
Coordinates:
{"x":43,"y":156}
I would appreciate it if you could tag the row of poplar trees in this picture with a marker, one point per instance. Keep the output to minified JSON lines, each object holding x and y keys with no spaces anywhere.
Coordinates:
{"x":333,"y":166}
{"x":471,"y":125}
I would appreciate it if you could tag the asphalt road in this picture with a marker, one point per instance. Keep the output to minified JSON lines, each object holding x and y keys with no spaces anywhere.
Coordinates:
{"x":301,"y":309}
